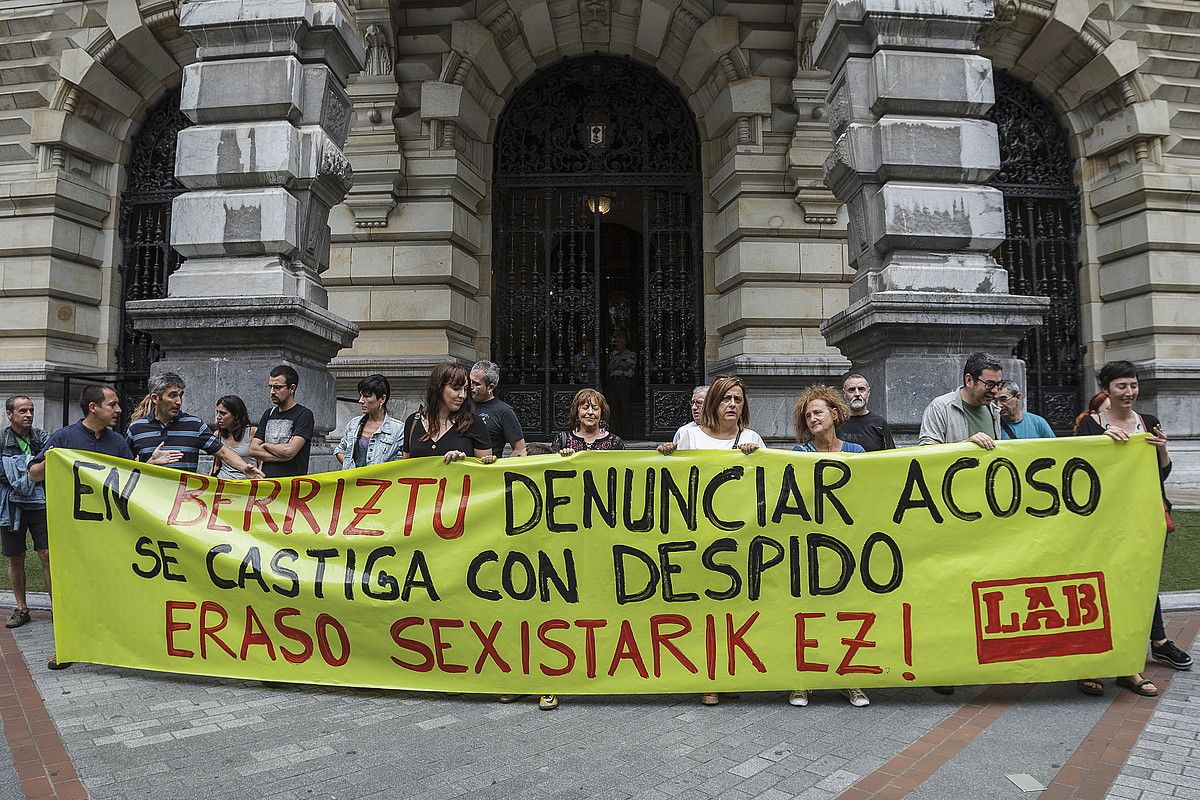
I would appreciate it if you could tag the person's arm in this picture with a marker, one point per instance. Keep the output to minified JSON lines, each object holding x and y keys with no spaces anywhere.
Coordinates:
{"x":888,"y":442}
{"x":258,"y":445}
{"x":346,"y":443}
{"x":511,"y":427}
{"x":230,"y":457}
{"x":933,"y":426}
{"x":37,"y":471}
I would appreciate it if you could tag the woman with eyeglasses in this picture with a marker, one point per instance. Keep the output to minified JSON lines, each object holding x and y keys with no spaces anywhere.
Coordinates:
{"x":1119,"y":380}
{"x":697,"y":406}
{"x":724,"y":424}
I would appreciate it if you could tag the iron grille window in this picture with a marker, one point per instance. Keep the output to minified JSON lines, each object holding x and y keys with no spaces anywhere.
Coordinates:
{"x":1042,"y":223}
{"x":145,"y":228}
{"x":596,"y":234}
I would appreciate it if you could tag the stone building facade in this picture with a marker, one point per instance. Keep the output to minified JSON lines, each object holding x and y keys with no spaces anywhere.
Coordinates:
{"x":1097,"y":104}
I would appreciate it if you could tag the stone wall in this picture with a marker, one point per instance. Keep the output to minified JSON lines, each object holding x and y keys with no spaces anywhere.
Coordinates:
{"x":411,"y":244}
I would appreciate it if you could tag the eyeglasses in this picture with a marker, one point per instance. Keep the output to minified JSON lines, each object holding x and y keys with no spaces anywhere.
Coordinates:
{"x":1002,"y":399}
{"x":697,"y":402}
{"x":275,"y":387}
{"x":989,"y":385}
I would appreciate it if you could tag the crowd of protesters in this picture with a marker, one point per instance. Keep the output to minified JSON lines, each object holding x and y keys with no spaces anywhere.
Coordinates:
{"x":461,"y":416}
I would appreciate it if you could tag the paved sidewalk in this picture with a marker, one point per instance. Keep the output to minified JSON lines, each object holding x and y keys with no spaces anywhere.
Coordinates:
{"x":132,"y":734}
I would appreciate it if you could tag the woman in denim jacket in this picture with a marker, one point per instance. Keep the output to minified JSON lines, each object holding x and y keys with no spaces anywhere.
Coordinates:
{"x":375,"y":437}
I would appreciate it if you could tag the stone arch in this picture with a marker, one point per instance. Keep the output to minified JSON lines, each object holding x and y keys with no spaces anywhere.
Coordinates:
{"x":1081,"y":61}
{"x":108,"y":87}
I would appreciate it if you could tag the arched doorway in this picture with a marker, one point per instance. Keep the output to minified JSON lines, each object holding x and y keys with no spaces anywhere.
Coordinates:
{"x":1041,"y":218}
{"x":147,"y":258}
{"x":596,"y":235}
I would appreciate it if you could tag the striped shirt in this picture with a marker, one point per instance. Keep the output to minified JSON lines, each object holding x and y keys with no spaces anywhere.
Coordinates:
{"x":187,"y":434}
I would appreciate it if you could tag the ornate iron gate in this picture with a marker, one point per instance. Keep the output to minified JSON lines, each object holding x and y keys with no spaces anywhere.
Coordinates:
{"x":145,"y":229}
{"x":596,"y":233}
{"x":1042,"y":223}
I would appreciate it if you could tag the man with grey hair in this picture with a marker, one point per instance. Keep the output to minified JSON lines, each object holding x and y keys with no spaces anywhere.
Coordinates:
{"x":498,"y":417}
{"x":1016,"y":423}
{"x":167,"y":429}
{"x":22,"y":502}
{"x":865,"y":428}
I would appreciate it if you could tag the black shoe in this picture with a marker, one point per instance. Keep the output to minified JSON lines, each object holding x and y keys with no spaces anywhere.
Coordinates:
{"x":943,"y":689}
{"x":1167,"y":653}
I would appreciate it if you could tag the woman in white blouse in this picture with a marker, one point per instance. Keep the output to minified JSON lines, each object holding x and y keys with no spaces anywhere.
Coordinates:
{"x":724,"y":424}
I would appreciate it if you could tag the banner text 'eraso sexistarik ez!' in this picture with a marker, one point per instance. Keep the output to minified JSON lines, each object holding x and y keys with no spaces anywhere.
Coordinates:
{"x":622,"y":572}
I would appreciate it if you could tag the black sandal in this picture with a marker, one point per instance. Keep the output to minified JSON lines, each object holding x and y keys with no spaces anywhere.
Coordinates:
{"x":1092,"y":686}
{"x":1139,"y":687}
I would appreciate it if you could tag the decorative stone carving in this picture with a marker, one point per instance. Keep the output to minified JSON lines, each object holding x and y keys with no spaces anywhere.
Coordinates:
{"x":379,"y":51}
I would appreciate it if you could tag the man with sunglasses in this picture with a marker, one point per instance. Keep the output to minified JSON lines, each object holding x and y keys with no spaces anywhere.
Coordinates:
{"x":967,"y":414}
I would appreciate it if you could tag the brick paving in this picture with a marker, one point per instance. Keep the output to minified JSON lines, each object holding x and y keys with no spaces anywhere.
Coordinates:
{"x":132,"y":734}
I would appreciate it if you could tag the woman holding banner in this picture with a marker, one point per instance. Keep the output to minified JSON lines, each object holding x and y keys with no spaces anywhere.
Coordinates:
{"x":724,"y":425}
{"x":1119,"y":380}
{"x":447,"y":425}
{"x":589,"y":431}
{"x":376,"y":437}
{"x":817,"y":414}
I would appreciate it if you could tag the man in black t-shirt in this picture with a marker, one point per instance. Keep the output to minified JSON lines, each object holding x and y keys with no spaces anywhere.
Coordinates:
{"x":498,"y":417}
{"x":864,"y":427}
{"x":284,"y":436}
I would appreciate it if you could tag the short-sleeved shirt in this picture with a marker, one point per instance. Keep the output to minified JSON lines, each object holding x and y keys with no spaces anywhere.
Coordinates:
{"x":468,"y":441}
{"x":1031,"y":426}
{"x":80,"y":437}
{"x":979,"y":420}
{"x":501,"y":422}
{"x":186,"y":433}
{"x":278,"y":427}
{"x":870,"y":430}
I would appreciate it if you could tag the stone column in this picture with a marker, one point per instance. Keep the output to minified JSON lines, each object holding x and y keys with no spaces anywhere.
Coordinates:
{"x":264,"y":165}
{"x":911,"y":157}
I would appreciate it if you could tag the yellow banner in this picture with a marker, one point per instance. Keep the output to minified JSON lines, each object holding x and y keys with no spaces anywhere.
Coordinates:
{"x":620,"y":572}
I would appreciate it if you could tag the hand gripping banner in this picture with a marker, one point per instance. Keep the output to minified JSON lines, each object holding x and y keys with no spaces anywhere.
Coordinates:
{"x":620,"y":572}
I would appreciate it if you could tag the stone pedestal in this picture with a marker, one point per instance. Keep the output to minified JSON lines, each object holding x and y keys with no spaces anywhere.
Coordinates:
{"x":911,"y":157}
{"x":264,"y":165}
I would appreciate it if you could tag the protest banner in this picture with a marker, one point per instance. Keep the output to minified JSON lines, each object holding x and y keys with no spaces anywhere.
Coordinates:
{"x":620,"y":572}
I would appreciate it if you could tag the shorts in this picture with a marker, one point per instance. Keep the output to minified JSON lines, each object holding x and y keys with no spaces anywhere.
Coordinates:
{"x":33,"y":520}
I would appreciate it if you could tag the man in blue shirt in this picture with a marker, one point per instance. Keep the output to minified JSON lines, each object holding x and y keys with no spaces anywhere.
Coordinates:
{"x":101,"y":409}
{"x":168,"y":427}
{"x":1016,"y":423}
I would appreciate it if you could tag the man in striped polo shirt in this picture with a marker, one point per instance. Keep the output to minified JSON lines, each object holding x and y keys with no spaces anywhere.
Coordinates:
{"x":167,"y":426}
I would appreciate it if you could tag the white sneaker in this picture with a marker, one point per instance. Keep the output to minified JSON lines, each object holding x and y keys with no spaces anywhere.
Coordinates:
{"x":857,"y":697}
{"x":798,"y":697}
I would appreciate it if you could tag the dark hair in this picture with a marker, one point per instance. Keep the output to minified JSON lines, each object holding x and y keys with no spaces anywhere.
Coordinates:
{"x":593,"y":396}
{"x":1114,"y":370}
{"x":11,"y":403}
{"x":1093,"y":407}
{"x":377,"y":386}
{"x":978,"y":362}
{"x":716,"y":393}
{"x":92,"y":394}
{"x":538,"y":449}
{"x":442,"y":375}
{"x":287,"y":373}
{"x":241,"y":417}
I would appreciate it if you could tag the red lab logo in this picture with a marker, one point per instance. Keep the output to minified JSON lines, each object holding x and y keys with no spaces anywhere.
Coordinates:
{"x":1060,"y":615}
